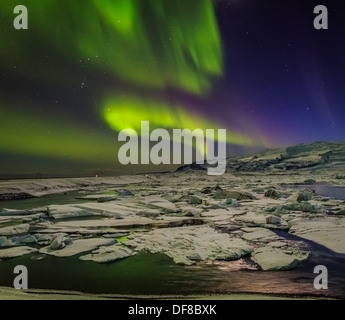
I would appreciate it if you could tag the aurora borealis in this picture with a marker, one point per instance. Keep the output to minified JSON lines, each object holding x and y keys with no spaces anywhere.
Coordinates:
{"x":85,"y":70}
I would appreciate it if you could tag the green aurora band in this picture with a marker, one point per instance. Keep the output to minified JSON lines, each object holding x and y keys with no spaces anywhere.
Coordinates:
{"x":154,"y":45}
{"x":128,"y":113}
{"x":30,"y":134}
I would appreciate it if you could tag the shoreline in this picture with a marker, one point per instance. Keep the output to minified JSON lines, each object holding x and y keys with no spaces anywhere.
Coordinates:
{"x":34,"y":188}
{"x":7,"y":293}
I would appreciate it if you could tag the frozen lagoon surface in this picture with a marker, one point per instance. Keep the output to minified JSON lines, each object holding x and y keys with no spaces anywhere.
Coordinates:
{"x":242,"y":232}
{"x":153,"y":205}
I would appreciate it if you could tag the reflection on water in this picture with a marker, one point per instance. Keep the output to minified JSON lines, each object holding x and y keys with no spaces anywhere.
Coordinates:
{"x":158,"y":275}
{"x":141,"y":274}
{"x":231,"y":266}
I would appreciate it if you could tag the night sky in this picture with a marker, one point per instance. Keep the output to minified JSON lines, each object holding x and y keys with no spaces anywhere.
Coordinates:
{"x":86,"y":69}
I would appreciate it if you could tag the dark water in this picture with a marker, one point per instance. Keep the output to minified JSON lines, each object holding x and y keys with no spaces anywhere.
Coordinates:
{"x":141,"y":274}
{"x":69,"y":198}
{"x":324,"y":190}
{"x":157,"y":274}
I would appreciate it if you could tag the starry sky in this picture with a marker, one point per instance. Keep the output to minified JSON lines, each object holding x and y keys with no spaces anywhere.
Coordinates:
{"x":85,"y":70}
